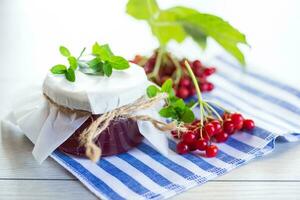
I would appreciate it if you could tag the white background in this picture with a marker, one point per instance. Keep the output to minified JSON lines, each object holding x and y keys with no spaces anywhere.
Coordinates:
{"x":32,"y":30}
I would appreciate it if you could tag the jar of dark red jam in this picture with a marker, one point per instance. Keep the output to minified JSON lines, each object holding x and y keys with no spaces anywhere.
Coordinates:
{"x":120,"y":136}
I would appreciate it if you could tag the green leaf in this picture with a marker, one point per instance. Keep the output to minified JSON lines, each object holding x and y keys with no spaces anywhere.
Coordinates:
{"x":166,"y":27}
{"x":73,"y":62}
{"x":179,"y":104}
{"x":103,"y":51}
{"x":107,"y":69}
{"x":199,"y":37}
{"x":70,"y":75}
{"x":142,"y":9}
{"x":64,"y":51}
{"x":82,"y":64}
{"x":196,"y":23}
{"x":98,"y":67}
{"x":187,"y":116}
{"x":58,"y":69}
{"x":90,"y":71}
{"x":191,"y":103}
{"x":152,"y":91}
{"x":167,"y":112}
{"x":92,"y":63}
{"x":221,"y":31}
{"x":167,"y":86}
{"x":118,"y":62}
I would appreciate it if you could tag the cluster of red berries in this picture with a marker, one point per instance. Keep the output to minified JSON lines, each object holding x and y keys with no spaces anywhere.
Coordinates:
{"x":185,"y":87}
{"x":201,"y":138}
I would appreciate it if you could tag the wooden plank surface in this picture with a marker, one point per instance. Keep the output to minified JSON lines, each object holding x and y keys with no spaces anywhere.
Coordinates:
{"x":215,"y":190}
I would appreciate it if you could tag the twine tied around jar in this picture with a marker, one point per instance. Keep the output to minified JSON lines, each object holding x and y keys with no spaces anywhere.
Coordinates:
{"x":86,"y":139}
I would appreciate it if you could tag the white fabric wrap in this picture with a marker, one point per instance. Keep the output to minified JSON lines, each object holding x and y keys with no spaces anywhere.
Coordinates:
{"x":47,"y":127}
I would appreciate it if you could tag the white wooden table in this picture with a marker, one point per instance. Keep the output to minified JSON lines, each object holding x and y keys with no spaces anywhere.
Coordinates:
{"x":275,"y":176}
{"x":32,"y":30}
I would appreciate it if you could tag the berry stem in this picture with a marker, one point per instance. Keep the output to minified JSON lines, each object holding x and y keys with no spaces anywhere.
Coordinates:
{"x":213,"y":110}
{"x":218,"y":105}
{"x":178,"y":69}
{"x":195,"y":82}
{"x":155,"y":72}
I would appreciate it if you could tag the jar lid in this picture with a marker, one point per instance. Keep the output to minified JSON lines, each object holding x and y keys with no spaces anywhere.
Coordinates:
{"x":97,"y":94}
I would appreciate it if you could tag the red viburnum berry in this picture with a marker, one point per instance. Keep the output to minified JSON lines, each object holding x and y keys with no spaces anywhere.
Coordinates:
{"x":182,"y":148}
{"x":193,"y":146}
{"x":248,"y":124}
{"x":217,"y":125}
{"x":209,"y":129}
{"x":201,"y":144}
{"x":238,"y":120}
{"x":188,"y":137}
{"x":228,"y":126}
{"x":209,"y":71}
{"x":182,"y":92}
{"x":185,"y":82}
{"x":197,"y":64}
{"x":221,"y":137}
{"x":210,"y":86}
{"x":211,"y":151}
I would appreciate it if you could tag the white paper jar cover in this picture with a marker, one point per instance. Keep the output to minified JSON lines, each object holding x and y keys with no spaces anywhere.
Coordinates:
{"x":97,"y":94}
{"x":47,"y":127}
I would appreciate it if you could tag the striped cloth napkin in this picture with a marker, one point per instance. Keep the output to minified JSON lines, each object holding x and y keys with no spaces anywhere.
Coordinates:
{"x":143,"y":173}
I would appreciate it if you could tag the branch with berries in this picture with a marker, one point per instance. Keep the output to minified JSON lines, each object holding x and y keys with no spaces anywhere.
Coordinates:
{"x":199,"y":134}
{"x":160,"y":68}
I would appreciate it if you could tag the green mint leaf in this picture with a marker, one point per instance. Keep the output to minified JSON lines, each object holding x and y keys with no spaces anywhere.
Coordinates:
{"x":73,"y":62}
{"x":107,"y":49}
{"x":142,"y":9}
{"x":92,"y":63}
{"x":98,"y":67}
{"x":152,"y":91}
{"x":107,"y":69}
{"x":167,"y":86}
{"x":118,"y":62}
{"x":64,"y":51}
{"x":90,"y":71}
{"x":96,"y":48}
{"x":179,"y":104}
{"x":191,"y":103}
{"x":58,"y":69}
{"x":167,"y":112}
{"x":70,"y":75}
{"x":82,"y":64}
{"x":103,"y":51}
{"x":187,"y":116}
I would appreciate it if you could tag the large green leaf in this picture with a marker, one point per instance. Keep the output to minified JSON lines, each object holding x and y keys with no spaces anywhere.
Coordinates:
{"x":142,"y":9}
{"x":199,"y":26}
{"x":221,"y":31}
{"x":165,"y":27}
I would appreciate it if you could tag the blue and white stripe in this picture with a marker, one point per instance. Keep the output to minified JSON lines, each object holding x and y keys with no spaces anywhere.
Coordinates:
{"x":143,"y":173}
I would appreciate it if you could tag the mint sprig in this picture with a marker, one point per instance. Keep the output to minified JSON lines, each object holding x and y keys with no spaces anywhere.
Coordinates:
{"x":102,"y":64}
{"x":104,"y":61}
{"x":175,"y":108}
{"x":179,"y":23}
{"x":62,"y":69}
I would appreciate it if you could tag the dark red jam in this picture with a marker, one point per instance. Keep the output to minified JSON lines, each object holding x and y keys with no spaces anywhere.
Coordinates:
{"x":119,"y":137}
